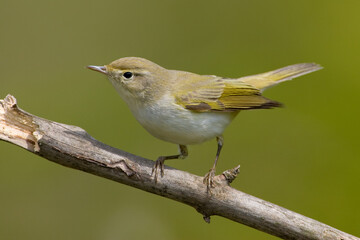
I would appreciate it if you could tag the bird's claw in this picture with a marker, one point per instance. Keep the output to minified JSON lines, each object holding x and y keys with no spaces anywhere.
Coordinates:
{"x":209,"y":180}
{"x":159,"y":165}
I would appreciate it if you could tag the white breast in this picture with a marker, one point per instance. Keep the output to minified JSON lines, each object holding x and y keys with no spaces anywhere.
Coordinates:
{"x":172,"y":123}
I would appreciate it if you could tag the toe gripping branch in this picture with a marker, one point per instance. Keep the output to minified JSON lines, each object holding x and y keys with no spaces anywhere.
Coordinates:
{"x":225,"y":178}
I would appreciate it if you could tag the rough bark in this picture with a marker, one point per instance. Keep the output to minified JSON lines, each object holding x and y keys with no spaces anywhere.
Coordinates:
{"x":71,"y":146}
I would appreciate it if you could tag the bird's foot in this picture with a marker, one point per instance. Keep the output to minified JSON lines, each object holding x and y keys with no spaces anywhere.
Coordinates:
{"x":158,"y":166}
{"x":209,"y":180}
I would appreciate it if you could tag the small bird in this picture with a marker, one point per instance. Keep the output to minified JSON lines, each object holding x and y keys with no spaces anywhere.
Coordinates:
{"x":186,"y":108}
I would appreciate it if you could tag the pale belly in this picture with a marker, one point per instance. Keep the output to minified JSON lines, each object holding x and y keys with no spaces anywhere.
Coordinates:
{"x":180,"y":126}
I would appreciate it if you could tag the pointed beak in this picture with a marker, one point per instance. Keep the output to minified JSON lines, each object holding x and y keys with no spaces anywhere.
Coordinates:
{"x":101,"y":69}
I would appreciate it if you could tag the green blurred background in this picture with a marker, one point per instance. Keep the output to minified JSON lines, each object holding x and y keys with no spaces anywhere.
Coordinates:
{"x":304,"y":157}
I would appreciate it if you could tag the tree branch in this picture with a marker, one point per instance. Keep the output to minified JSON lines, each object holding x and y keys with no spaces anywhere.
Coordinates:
{"x":71,"y":146}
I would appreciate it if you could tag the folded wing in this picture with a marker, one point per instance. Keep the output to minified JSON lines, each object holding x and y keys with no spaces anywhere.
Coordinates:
{"x":211,"y":93}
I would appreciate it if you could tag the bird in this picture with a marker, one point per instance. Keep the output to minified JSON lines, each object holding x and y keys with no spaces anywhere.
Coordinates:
{"x":186,"y":108}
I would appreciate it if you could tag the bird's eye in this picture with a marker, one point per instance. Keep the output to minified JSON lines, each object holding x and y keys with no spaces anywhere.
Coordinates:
{"x":127,"y":75}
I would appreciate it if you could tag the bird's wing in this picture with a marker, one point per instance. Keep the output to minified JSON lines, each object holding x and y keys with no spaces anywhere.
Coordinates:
{"x":210,"y":93}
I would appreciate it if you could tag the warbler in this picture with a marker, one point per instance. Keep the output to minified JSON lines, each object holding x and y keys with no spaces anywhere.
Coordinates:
{"x":186,"y":108}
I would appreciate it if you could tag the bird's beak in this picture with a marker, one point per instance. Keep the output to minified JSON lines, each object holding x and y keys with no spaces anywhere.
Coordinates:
{"x":101,"y":69}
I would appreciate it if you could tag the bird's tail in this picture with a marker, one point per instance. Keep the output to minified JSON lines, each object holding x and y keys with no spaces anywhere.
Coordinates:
{"x":264,"y":80}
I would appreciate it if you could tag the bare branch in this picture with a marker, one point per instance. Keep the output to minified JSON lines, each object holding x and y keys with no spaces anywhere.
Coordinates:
{"x":72,"y":147}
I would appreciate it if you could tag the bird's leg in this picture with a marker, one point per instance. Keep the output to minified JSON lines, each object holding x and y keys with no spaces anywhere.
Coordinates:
{"x":159,"y":163}
{"x":209,"y":177}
